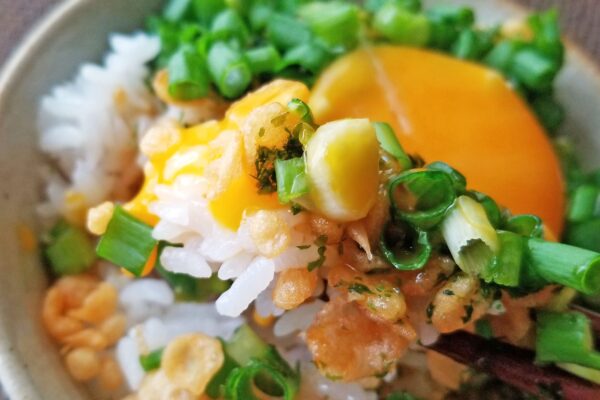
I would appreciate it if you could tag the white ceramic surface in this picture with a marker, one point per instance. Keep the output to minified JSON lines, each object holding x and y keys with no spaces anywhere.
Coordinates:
{"x":76,"y":32}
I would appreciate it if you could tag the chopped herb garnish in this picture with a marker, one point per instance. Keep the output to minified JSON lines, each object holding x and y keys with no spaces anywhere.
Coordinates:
{"x":448,"y":292}
{"x":359,"y":288}
{"x":320,"y":242}
{"x":468,"y":313}
{"x":304,"y":246}
{"x":265,"y":163}
{"x":296,"y":209}
{"x":261,"y":132}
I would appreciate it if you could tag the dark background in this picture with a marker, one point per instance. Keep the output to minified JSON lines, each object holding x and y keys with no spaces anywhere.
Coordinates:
{"x":580,"y":18}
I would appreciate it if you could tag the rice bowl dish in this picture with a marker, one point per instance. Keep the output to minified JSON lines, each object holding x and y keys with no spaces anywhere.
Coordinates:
{"x":247,"y":232}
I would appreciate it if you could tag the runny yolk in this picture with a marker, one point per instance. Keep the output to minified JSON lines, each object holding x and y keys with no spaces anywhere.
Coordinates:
{"x":454,"y":111}
{"x":195,"y":149}
{"x":239,"y":197}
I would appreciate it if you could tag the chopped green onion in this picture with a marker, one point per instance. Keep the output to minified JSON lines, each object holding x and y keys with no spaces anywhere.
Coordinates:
{"x":259,"y":15}
{"x":421,"y":197}
{"x":216,"y":387}
{"x":561,"y":300}
{"x":401,"y":26}
{"x":471,"y":44}
{"x":585,"y":234}
{"x":309,"y":55}
{"x":389,"y":142}
{"x":152,"y":360}
{"x":546,"y":34}
{"x":303,"y":132}
{"x":458,"y":180}
{"x":501,"y":55}
{"x":563,"y":264}
{"x":206,"y":10}
{"x":302,"y":109}
{"x":533,"y":69}
{"x":410,"y":5}
{"x":527,"y":225}
{"x":188,"y":77}
{"x":469,"y":235}
{"x":589,"y":374}
{"x":286,"y":32}
{"x":335,"y":23}
{"x":291,"y":179}
{"x":566,"y":338}
{"x":505,"y":269}
{"x":128,"y":242}
{"x":263,"y":59}
{"x":70,"y":250}
{"x":491,"y":207}
{"x":229,"y":69}
{"x":245,"y":345}
{"x":228,"y":24}
{"x":550,"y":113}
{"x":484,"y":329}
{"x":273,"y":379}
{"x":585,"y":203}
{"x":177,"y":10}
{"x":458,"y":16}
{"x":405,"y":248}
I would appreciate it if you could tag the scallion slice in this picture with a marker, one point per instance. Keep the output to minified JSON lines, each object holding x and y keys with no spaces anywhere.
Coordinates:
{"x":469,"y":235}
{"x":286,"y":32}
{"x":69,"y":250}
{"x":152,"y":360}
{"x":127,"y":242}
{"x":389,"y":142}
{"x":188,"y":77}
{"x":206,"y":10}
{"x":337,"y":24}
{"x":505,"y":269}
{"x":421,"y":197}
{"x":264,"y":59}
{"x":566,"y":338}
{"x":229,"y":69}
{"x":560,"y":263}
{"x":280,"y":382}
{"x":458,"y":180}
{"x":526,"y":225}
{"x":533,"y":69}
{"x":491,"y":207}
{"x":501,"y":55}
{"x":405,"y":248}
{"x":310,"y":55}
{"x":302,"y":109}
{"x":177,"y":10}
{"x":585,"y":203}
{"x":401,"y":26}
{"x":291,"y":179}
{"x":228,"y":24}
{"x":585,"y":234}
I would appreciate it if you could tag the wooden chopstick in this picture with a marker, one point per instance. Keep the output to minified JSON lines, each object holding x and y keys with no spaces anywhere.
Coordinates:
{"x":514,"y":366}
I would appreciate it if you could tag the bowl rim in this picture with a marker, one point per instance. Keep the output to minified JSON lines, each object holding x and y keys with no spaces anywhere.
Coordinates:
{"x":14,"y":376}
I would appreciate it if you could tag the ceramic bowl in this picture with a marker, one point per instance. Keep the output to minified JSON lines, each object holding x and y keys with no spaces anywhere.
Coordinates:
{"x":75,"y":32}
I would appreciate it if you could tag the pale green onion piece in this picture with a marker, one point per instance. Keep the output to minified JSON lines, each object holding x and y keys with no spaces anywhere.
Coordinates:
{"x":469,"y":235}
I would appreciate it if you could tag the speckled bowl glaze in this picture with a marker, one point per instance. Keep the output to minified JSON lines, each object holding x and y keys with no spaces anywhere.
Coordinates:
{"x":74,"y":32}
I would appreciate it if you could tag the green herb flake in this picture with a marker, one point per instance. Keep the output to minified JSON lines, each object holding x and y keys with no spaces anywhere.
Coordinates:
{"x":359,"y":288}
{"x":320,"y":242}
{"x":304,"y":246}
{"x":448,"y":292}
{"x":261,"y":132}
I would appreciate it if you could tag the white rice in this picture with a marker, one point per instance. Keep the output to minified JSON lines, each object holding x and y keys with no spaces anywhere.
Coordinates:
{"x":89,"y":126}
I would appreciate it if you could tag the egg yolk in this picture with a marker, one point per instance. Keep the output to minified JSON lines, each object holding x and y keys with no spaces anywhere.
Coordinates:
{"x":450,"y":110}
{"x":192,"y":151}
